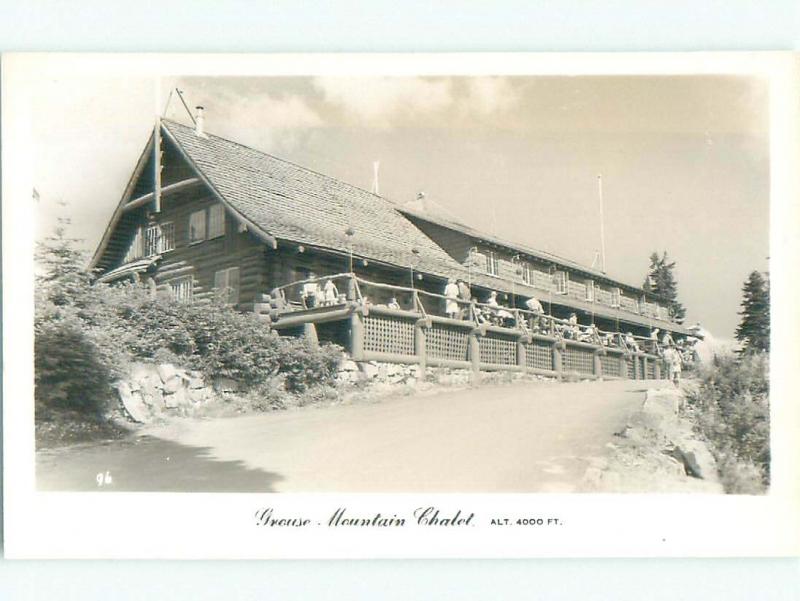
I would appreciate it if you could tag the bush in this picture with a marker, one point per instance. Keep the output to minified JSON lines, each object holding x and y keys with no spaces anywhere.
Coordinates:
{"x":732,"y":406}
{"x":87,"y":334}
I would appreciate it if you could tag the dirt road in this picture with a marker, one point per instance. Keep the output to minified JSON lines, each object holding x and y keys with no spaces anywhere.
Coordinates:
{"x":514,"y":438}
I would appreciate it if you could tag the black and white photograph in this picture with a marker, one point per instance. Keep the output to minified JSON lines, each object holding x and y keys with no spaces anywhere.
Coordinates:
{"x":349,"y":283}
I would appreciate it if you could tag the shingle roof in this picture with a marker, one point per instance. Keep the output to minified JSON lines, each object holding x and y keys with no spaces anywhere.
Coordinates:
{"x":299,"y":205}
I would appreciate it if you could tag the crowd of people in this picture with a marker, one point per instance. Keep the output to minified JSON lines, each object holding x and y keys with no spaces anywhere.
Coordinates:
{"x":458,"y":301}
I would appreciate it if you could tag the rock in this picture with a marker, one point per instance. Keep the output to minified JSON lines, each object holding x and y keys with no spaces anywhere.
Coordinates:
{"x":178,"y":399}
{"x":196,"y":383}
{"x":225,"y":385}
{"x":696,"y":458}
{"x":173,"y":385}
{"x":166,"y":371}
{"x":370,"y":370}
{"x":348,"y":366}
{"x":133,"y":402}
{"x":199,"y":395}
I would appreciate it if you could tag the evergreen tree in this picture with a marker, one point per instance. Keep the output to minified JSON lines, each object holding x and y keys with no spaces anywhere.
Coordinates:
{"x":753,"y":330}
{"x":661,"y":281}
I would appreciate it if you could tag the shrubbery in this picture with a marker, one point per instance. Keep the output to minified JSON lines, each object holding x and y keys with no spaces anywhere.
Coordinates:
{"x":732,"y":408}
{"x":86,"y":335}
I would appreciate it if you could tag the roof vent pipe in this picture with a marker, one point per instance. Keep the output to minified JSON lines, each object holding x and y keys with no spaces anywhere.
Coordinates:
{"x":199,"y":123}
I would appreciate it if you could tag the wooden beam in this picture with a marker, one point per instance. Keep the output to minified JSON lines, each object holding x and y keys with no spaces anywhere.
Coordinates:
{"x":166,"y":190}
{"x":157,"y":167}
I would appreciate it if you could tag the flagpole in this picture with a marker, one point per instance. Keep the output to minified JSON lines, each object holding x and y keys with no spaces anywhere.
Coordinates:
{"x":602,"y":224}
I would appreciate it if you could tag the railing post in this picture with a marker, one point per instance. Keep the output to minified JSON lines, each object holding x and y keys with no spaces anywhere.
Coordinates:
{"x":636,"y":366}
{"x":644,"y":367}
{"x":623,"y":365}
{"x":522,"y":358}
{"x":310,"y":334}
{"x":558,"y":364}
{"x":475,"y":355}
{"x":657,"y":369}
{"x":598,"y":363}
{"x":420,"y":349}
{"x":357,"y":335}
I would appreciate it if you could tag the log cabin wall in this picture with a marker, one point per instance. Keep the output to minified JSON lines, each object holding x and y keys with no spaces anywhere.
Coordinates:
{"x":202,"y":260}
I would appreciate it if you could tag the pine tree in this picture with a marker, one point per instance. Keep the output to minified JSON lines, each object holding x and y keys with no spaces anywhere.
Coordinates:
{"x":661,"y":281}
{"x":753,"y":330}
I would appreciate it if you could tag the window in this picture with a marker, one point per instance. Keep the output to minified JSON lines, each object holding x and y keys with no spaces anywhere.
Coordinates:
{"x":228,"y":280}
{"x":527,"y":273}
{"x":182,"y":288}
{"x":590,"y":291}
{"x":167,"y":237}
{"x":492,"y":264}
{"x":615,"y":297}
{"x":197,"y":226}
{"x":216,"y":221}
{"x":560,"y":282}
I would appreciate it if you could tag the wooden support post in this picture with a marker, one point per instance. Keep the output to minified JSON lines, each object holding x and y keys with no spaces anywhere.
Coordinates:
{"x":598,"y":364}
{"x":310,"y":334}
{"x":644,"y":367}
{"x":657,"y":369}
{"x":356,"y":336}
{"x":475,"y":356}
{"x":521,"y":355}
{"x":635,"y":366}
{"x":420,"y":349}
{"x":558,"y":365}
{"x":157,"y":167}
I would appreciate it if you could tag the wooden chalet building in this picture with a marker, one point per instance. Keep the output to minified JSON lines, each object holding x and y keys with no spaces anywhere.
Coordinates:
{"x":202,"y":214}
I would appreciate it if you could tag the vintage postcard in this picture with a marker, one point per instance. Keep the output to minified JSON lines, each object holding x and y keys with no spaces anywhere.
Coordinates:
{"x":287,"y":306}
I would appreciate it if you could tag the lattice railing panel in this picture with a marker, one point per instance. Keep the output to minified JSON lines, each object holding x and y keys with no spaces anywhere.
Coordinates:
{"x":580,"y":360}
{"x":384,"y":334}
{"x":651,"y":369}
{"x":539,"y":355}
{"x":629,"y":361}
{"x":642,"y":375}
{"x":447,"y":342}
{"x":497,"y":350}
{"x":610,"y":365}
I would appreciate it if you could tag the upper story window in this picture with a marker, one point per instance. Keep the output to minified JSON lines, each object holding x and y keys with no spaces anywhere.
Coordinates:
{"x":527,"y":273}
{"x":207,"y":224}
{"x":560,"y":282}
{"x":492,"y":264}
{"x":197,"y":226}
{"x":615,"y":297}
{"x":216,"y":221}
{"x":590,"y":290}
{"x":159,"y":238}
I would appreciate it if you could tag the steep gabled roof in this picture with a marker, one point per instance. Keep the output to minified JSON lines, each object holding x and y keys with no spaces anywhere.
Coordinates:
{"x":293,"y":203}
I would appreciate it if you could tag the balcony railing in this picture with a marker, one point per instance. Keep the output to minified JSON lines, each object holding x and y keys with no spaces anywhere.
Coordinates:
{"x":399,"y":324}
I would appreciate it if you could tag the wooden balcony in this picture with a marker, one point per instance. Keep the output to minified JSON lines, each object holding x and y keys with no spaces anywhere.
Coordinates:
{"x":395,"y":324}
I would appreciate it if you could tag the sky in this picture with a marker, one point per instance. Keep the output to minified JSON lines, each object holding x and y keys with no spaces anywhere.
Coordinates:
{"x":684,"y":159}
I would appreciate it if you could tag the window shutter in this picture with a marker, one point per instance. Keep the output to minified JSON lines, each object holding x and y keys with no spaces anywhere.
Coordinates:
{"x":197,"y":226}
{"x":216,"y":221}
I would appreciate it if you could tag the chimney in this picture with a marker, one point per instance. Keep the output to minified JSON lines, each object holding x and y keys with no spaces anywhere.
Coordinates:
{"x":199,"y":123}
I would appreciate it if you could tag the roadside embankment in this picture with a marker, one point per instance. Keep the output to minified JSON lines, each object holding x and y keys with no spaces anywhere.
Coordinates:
{"x":657,"y":451}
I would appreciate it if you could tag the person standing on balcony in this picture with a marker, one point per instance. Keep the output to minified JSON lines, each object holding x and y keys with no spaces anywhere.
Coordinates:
{"x":331,"y":292}
{"x":465,"y":296}
{"x":451,"y":299}
{"x":534,"y":306}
